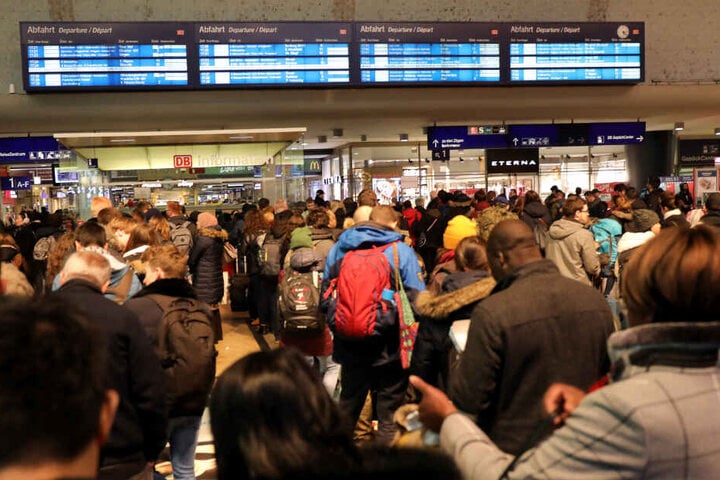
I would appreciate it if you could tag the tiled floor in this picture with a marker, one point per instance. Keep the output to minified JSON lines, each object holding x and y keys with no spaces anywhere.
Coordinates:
{"x":238,"y":340}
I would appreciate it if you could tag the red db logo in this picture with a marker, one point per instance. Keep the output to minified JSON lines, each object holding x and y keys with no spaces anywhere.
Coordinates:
{"x":182,"y":161}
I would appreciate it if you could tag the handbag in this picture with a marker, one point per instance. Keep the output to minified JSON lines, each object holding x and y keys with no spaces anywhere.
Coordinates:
{"x":406,"y":318}
{"x":230,"y":253}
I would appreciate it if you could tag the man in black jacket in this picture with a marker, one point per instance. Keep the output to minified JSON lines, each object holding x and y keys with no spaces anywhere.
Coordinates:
{"x":165,"y":282}
{"x":536,"y":328}
{"x":138,"y":434}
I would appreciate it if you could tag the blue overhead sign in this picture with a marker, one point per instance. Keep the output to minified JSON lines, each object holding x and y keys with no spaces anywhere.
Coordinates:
{"x":32,"y":150}
{"x":459,"y":137}
{"x":536,"y":135}
{"x":15,"y":183}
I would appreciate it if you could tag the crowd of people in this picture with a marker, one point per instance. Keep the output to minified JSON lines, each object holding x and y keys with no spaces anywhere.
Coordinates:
{"x":591,"y":352}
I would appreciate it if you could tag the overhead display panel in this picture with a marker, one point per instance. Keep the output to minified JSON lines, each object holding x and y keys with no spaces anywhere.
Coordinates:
{"x":428,"y":53}
{"x":576,"y":52}
{"x":102,"y":56}
{"x":273,"y":54}
{"x":86,"y":56}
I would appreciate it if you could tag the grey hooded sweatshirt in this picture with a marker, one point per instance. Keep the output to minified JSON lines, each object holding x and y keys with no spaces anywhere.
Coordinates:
{"x":572,"y":249}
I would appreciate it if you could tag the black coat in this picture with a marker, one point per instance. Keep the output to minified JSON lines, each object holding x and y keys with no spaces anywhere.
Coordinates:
{"x":138,"y":434}
{"x":150,"y":315}
{"x":461,"y":293}
{"x":205,"y":264}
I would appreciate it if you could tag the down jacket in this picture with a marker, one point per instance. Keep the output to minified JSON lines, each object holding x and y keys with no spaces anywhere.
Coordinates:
{"x":436,"y":313}
{"x":658,"y":419}
{"x":205,"y":264}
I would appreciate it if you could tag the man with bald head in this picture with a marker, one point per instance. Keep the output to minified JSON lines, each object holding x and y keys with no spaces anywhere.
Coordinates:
{"x":535,"y":329}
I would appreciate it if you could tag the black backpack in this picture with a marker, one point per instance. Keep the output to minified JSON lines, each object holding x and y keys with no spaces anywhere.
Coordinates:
{"x":186,"y":344}
{"x":269,"y":258}
{"x":299,"y":302}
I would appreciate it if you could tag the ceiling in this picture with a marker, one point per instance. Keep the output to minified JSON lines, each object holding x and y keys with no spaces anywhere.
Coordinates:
{"x":380,"y":114}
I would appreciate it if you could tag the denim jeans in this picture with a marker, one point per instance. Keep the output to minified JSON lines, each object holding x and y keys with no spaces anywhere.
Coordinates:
{"x":329,"y":372}
{"x":183,"y":434}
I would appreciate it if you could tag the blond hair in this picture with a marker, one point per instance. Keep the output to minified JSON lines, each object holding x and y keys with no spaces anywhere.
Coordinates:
{"x":167,"y":258}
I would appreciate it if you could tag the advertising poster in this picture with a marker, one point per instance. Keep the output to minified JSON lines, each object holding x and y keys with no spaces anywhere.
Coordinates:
{"x":706,"y":181}
{"x":386,"y":189}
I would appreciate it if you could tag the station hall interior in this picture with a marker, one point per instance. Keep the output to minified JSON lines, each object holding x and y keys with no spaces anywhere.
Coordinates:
{"x":354,"y":137}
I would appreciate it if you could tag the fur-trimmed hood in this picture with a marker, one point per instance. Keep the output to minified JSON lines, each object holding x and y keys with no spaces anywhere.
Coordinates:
{"x":214,"y":232}
{"x":441,"y":306}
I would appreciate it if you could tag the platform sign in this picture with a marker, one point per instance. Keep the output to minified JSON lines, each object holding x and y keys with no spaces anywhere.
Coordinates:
{"x":576,"y":52}
{"x":273,"y":54}
{"x":100,"y":56}
{"x":15,"y":183}
{"x":428,"y":53}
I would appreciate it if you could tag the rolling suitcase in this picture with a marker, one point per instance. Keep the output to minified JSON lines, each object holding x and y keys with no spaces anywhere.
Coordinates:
{"x":239,"y":284}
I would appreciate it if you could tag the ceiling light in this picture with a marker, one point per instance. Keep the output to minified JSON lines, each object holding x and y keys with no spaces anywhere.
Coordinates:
{"x":404,"y":137}
{"x":337,"y":132}
{"x":122,"y":140}
{"x":679,"y":126}
{"x":241,"y":137}
{"x":717,"y":131}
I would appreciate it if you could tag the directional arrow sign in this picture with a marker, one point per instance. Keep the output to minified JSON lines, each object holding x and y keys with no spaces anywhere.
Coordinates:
{"x":460,"y":137}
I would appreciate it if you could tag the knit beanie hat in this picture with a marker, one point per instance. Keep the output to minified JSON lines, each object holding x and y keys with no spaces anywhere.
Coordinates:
{"x":642,"y":220}
{"x":458,"y":228}
{"x":300,"y":237}
{"x":206,"y":219}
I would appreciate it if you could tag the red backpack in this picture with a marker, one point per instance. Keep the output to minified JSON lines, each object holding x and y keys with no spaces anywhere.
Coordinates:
{"x":363,"y":305}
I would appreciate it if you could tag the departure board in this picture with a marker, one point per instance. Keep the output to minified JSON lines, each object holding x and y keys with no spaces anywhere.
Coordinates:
{"x":428,"y":53}
{"x":576,"y":52}
{"x":88,"y":56}
{"x":273,"y":54}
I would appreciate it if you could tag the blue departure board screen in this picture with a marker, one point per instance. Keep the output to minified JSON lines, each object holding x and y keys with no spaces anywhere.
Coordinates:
{"x":102,"y":56}
{"x":447,"y":53}
{"x":273,"y":54}
{"x":87,"y":56}
{"x":576,"y":53}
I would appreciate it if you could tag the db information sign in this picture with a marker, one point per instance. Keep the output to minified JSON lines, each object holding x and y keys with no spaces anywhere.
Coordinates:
{"x":182,"y":161}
